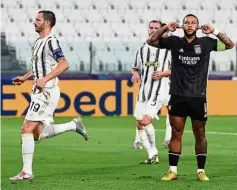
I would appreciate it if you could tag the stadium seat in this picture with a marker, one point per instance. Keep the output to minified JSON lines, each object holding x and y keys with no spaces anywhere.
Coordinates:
{"x":83,"y":5}
{"x":93,"y":16}
{"x":107,"y":59}
{"x":101,"y":4}
{"x":103,"y":31}
{"x":119,"y":24}
{"x":118,"y":4}
{"x":126,"y":58}
{"x":138,"y":5}
{"x":111,"y":16}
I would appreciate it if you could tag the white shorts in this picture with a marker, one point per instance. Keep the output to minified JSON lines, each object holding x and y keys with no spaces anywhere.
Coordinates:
{"x":150,"y":108}
{"x":166,"y":97}
{"x":43,"y":105}
{"x":166,"y":100}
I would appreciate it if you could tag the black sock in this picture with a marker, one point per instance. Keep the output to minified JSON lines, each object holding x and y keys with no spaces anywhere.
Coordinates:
{"x":174,"y":158}
{"x":201,"y":159}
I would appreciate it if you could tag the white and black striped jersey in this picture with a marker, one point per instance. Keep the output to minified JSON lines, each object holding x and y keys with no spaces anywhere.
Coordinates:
{"x":148,"y":60}
{"x":45,"y":55}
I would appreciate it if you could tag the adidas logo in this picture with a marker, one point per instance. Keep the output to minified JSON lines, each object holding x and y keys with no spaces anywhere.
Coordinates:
{"x":181,"y":50}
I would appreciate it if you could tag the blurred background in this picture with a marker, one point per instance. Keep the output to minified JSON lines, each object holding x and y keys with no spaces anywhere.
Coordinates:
{"x":100,"y":37}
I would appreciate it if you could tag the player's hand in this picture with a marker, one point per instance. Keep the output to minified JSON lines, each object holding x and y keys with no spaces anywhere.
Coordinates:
{"x":40,"y":83}
{"x":207,"y":29}
{"x":172,"y":26}
{"x":157,"y":75}
{"x":135,"y":77}
{"x":18,"y":80}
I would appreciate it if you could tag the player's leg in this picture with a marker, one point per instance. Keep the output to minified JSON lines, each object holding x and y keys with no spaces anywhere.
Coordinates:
{"x":150,"y":132}
{"x":168,"y":131}
{"x":175,"y":146}
{"x":138,"y":114}
{"x":48,"y":130}
{"x":45,"y":114}
{"x":177,"y":116}
{"x":198,"y":118}
{"x":28,"y":147}
{"x":137,"y":141}
{"x":143,"y":137}
{"x":200,"y":147}
{"x":150,"y":112}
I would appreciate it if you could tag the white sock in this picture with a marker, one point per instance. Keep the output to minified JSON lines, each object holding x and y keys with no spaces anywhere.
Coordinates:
{"x":137,"y":137}
{"x":150,"y":131}
{"x":51,"y":130}
{"x":173,"y":169}
{"x":200,"y":170}
{"x":28,"y":148}
{"x":168,"y":129}
{"x":145,"y":142}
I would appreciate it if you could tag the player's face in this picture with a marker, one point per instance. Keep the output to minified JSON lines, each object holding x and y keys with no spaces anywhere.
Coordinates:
{"x":39,"y":23}
{"x":190,"y":26}
{"x":154,"y":26}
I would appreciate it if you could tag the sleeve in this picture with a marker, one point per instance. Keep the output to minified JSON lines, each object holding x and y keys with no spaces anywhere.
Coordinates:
{"x":166,"y":43}
{"x":55,"y":48}
{"x":138,"y":60}
{"x":211,"y":44}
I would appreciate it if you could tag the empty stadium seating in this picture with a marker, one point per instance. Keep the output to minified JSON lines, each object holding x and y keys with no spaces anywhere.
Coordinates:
{"x":111,"y":26}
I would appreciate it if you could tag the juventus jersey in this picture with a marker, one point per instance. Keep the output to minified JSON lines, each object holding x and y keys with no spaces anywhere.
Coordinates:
{"x":148,"y":60}
{"x":45,"y":55}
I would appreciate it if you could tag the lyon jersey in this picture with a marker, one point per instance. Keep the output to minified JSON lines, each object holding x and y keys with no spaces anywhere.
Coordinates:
{"x":45,"y":55}
{"x":148,"y":60}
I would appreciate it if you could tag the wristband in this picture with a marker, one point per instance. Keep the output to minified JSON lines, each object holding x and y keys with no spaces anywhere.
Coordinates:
{"x":215,"y":32}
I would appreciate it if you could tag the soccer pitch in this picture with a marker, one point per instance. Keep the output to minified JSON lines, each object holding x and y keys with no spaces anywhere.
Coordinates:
{"x":107,"y":160}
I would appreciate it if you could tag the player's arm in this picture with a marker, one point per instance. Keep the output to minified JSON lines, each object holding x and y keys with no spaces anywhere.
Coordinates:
{"x":154,"y":39}
{"x":21,"y":79}
{"x":61,"y":67}
{"x":223,"y":43}
{"x":229,"y":44}
{"x":159,"y":74}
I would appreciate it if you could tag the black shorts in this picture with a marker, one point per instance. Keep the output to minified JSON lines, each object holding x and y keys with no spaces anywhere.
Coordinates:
{"x":194,"y":107}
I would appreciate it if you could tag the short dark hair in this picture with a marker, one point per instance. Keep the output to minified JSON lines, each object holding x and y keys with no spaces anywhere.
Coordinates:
{"x":163,"y":24}
{"x":155,"y":21}
{"x":50,"y":16}
{"x":192,"y":16}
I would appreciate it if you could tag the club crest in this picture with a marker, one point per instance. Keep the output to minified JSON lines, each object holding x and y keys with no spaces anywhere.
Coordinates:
{"x":197,"y":49}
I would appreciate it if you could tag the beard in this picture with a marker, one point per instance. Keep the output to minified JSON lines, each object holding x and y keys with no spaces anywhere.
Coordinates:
{"x":39,"y":29}
{"x":190,"y":35}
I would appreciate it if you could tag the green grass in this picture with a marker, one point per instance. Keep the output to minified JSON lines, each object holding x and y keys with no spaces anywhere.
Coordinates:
{"x":107,"y":160}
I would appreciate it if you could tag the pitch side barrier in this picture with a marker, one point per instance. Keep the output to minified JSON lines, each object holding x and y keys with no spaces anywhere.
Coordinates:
{"x":105,"y":95}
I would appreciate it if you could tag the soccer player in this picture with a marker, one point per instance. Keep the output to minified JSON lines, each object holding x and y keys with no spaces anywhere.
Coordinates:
{"x":48,"y":62}
{"x":189,"y":74}
{"x":150,"y":61}
{"x":137,"y":142}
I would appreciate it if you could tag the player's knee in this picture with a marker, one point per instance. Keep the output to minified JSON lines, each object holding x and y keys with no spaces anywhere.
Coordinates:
{"x":199,"y":131}
{"x":139,"y":125}
{"x":147,"y":120}
{"x":177,"y":132}
{"x":27,"y":128}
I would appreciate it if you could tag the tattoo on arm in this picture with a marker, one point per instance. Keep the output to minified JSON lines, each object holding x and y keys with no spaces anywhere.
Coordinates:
{"x":227,"y":41}
{"x":155,"y":37}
